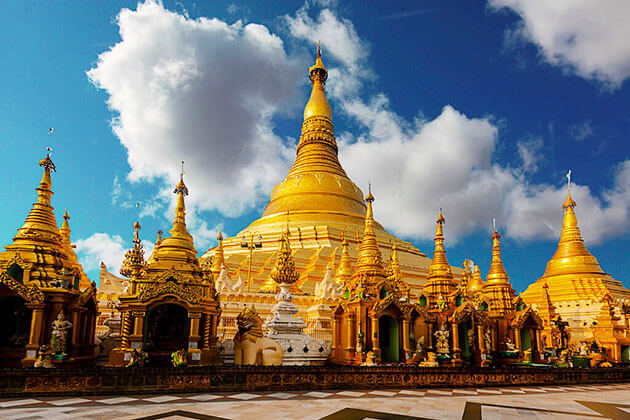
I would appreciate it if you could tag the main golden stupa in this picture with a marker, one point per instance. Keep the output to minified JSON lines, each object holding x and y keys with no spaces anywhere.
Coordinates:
{"x":321,"y":206}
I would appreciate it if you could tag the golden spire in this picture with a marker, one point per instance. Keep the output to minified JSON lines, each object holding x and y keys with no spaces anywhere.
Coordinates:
{"x":317,"y":105}
{"x":218,"y":260}
{"x":497,"y":274}
{"x":283,"y":270}
{"x":476,"y":283}
{"x":156,"y":246}
{"x":570,"y":246}
{"x":134,"y":258}
{"x":394,"y":263}
{"x":40,"y":222}
{"x":65,"y":229}
{"x":344,"y":269}
{"x":178,"y":247}
{"x":316,"y":181}
{"x":369,"y":258}
{"x":439,"y":267}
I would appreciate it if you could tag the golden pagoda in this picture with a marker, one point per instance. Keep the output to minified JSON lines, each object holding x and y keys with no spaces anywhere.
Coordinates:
{"x":170,"y":304}
{"x":40,"y":290}
{"x":325,"y":209}
{"x":515,"y":325}
{"x":580,"y":292}
{"x":374,"y":316}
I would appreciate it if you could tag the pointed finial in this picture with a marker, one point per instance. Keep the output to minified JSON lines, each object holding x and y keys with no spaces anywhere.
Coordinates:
{"x":159,"y":238}
{"x":569,"y":202}
{"x":66,"y":216}
{"x":369,"y":197}
{"x":220,"y":235}
{"x":440,"y":218}
{"x":181,"y":187}
{"x":136,"y":229}
{"x":319,"y":51}
{"x":494,"y":224}
{"x":47,"y":163}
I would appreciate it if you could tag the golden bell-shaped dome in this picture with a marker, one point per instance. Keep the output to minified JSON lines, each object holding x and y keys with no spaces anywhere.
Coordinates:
{"x":571,"y":257}
{"x":317,"y":185}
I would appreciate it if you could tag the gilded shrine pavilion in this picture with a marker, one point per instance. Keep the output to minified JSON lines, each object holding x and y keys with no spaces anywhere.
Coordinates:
{"x":170,"y":304}
{"x":47,"y":303}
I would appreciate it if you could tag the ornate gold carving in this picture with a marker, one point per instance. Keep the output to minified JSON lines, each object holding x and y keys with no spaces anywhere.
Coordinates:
{"x":190,"y":294}
{"x":31,"y":293}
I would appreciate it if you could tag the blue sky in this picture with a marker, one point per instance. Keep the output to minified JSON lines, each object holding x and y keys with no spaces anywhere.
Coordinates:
{"x":479,"y":107}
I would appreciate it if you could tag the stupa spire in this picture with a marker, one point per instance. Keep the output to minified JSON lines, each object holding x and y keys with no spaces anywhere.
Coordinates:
{"x":344,"y":269}
{"x":40,"y":224}
{"x":134,"y":258}
{"x":369,"y":258}
{"x":316,"y":180}
{"x":571,"y":245}
{"x":497,"y":274}
{"x":219,"y":258}
{"x":439,"y":267}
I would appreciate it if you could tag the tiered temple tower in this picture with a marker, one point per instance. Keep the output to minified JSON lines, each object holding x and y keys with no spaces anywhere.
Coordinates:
{"x":582,"y":293}
{"x":324,"y":207}
{"x":41,"y":280}
{"x":170,"y":304}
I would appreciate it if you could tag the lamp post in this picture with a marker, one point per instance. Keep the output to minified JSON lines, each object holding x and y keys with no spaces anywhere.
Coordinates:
{"x":251,"y":245}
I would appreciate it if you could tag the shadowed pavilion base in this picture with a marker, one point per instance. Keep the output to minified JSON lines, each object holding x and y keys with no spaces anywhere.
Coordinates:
{"x":102,"y":381}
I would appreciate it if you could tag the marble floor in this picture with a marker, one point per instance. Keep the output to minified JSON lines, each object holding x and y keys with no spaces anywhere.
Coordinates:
{"x":553,"y":402}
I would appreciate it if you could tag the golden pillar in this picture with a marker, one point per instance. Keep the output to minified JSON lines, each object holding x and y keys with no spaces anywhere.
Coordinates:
{"x":430,"y":332}
{"x":194,"y":327}
{"x":405,"y":331}
{"x":456,"y":348}
{"x":335,"y":335}
{"x":207,"y":327}
{"x":76,"y":328}
{"x":517,"y":339}
{"x":138,"y":327}
{"x":375,"y":348}
{"x":480,"y":341}
{"x":37,"y":324}
{"x":350,"y":332}
{"x":126,"y":329}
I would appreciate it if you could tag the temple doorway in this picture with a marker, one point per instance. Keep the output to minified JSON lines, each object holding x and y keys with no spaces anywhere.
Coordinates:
{"x":14,"y":328}
{"x":167,"y":329}
{"x":467,"y":341}
{"x":388,"y":339}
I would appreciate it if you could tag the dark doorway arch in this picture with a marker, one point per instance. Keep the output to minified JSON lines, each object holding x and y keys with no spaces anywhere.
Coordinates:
{"x":166,"y":330}
{"x":14,"y":328}
{"x":388,"y":340}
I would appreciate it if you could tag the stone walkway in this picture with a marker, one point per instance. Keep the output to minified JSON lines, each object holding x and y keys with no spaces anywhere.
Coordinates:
{"x":554,"y":402}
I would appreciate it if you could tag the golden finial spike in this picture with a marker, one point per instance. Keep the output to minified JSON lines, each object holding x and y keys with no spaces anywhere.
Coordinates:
{"x":66,"y":216}
{"x":497,"y":273}
{"x":220,"y":235}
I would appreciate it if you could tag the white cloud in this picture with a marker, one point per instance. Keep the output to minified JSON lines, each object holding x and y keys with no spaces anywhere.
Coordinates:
{"x":581,"y":131}
{"x":108,"y":249}
{"x":416,"y":167}
{"x":586,"y":37}
{"x":204,"y":92}
{"x":529,"y":152}
{"x":533,"y":208}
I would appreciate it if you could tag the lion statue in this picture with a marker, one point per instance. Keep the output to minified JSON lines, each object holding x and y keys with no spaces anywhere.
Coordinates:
{"x":250,"y":347}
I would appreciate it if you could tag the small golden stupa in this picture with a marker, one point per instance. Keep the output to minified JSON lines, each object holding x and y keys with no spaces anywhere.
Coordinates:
{"x":581,"y":293}
{"x":42,"y":281}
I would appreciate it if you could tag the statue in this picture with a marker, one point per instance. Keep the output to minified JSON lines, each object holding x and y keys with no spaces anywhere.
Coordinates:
{"x":584,"y":349}
{"x":178,"y":358}
{"x":138,"y":359}
{"x":430,"y":361}
{"x":59,"y":338}
{"x":509,"y":346}
{"x":487,"y":340}
{"x":369,"y":359}
{"x":250,"y":347}
{"x":360,"y":337}
{"x":472,"y":338}
{"x":442,"y":340}
{"x":44,"y":357}
{"x":441,"y":302}
{"x":419,"y":345}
